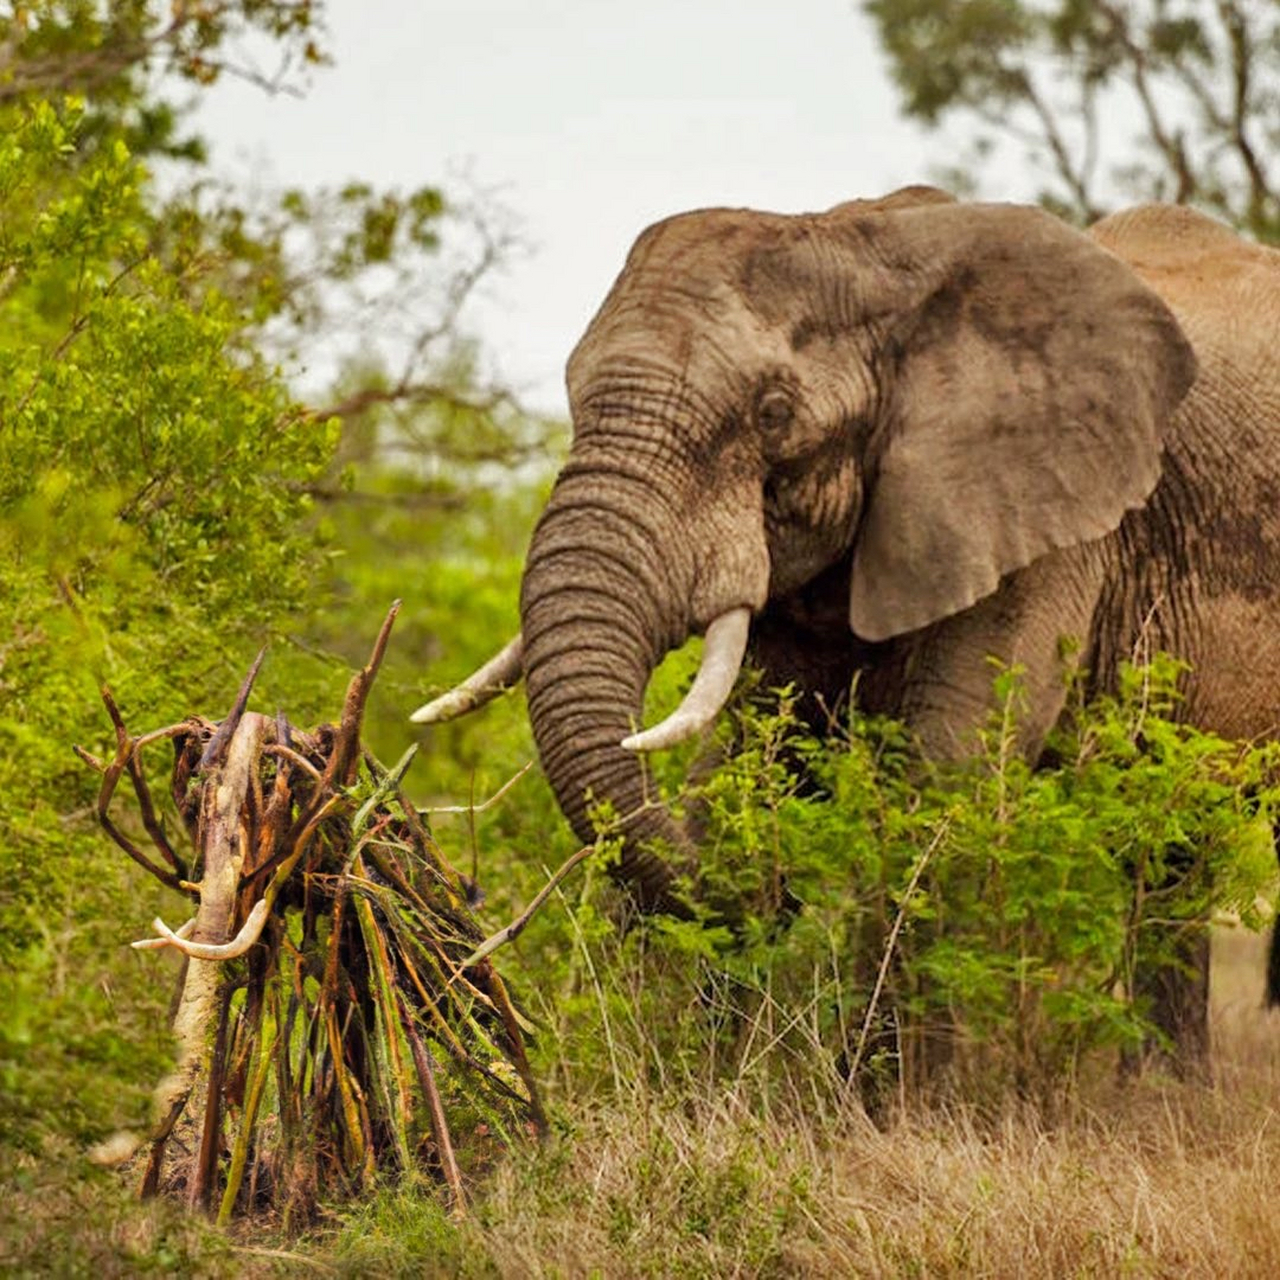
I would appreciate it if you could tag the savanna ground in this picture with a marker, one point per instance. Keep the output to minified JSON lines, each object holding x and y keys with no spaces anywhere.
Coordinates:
{"x":1151,"y":1178}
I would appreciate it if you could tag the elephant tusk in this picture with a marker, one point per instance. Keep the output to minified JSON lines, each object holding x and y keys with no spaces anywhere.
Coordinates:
{"x":249,"y":933}
{"x":496,"y":676}
{"x":722,"y":653}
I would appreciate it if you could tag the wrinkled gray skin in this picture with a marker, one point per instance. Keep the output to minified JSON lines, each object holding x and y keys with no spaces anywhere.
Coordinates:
{"x":909,"y":433}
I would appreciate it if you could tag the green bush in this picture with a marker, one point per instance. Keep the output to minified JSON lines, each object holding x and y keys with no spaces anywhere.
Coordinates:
{"x":153,"y":528}
{"x":991,"y":915}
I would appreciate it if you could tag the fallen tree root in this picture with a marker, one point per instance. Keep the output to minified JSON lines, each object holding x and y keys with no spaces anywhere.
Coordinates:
{"x":332,"y":965}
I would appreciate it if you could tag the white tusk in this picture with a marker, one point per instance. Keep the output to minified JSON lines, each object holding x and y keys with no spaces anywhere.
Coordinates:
{"x":722,"y":654}
{"x":497,"y":675}
{"x":249,"y":933}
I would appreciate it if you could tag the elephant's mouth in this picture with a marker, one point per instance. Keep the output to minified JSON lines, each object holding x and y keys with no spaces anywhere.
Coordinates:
{"x":722,"y":655}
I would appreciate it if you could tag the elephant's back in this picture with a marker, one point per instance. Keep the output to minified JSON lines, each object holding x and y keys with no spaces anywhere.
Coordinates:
{"x":1199,"y":567}
{"x":1224,"y":289}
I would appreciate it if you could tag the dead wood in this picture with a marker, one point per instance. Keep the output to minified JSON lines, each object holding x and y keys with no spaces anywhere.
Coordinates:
{"x":335,"y":1005}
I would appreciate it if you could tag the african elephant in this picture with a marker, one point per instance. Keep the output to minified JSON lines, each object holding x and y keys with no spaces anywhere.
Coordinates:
{"x":892,"y":439}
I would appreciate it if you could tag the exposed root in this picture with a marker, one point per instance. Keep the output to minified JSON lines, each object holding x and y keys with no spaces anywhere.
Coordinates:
{"x":336,"y":1003}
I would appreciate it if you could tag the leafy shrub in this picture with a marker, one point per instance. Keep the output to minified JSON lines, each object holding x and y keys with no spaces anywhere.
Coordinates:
{"x":990,"y":915}
{"x":153,"y":524}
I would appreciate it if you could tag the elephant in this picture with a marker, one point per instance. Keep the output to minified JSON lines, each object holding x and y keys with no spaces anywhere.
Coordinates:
{"x":890,"y":440}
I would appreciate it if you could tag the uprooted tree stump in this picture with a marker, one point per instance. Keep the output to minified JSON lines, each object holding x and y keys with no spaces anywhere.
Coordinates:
{"x":334,"y":1020}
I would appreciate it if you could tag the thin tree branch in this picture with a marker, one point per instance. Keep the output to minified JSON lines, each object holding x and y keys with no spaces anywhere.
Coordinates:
{"x":1076,"y":182}
{"x":435,"y":1109}
{"x":492,"y":800}
{"x":1243,"y":52}
{"x":517,"y":926}
{"x":1170,"y":145}
{"x":407,"y":391}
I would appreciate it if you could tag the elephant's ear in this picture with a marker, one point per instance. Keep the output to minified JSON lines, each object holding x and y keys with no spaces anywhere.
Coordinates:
{"x":1027,"y":382}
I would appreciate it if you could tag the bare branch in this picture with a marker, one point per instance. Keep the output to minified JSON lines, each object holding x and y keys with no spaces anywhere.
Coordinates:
{"x":886,"y":958}
{"x":1170,"y":145}
{"x":110,"y":780}
{"x":406,"y":391}
{"x":287,"y":753}
{"x":146,"y":806}
{"x":1242,"y":55}
{"x":1074,"y":178}
{"x":358,"y":692}
{"x":517,"y":926}
{"x":435,"y":1109}
{"x":227,"y":728}
{"x":492,"y":800}
{"x":249,"y":934}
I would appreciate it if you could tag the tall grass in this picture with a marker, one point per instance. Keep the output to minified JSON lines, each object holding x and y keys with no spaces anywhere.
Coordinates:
{"x":689,"y":1177}
{"x":693,"y":1177}
{"x":702,"y":1116}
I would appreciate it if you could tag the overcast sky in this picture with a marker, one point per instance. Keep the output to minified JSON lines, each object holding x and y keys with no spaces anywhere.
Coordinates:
{"x":592,"y":118}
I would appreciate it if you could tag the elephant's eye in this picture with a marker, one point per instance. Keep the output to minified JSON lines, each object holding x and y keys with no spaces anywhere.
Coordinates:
{"x":774,"y":411}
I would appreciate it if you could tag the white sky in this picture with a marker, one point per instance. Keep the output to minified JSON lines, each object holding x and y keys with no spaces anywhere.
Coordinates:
{"x":591,"y":118}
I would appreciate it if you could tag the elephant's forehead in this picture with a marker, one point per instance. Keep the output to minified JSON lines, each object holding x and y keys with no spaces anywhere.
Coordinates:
{"x":710,"y":246}
{"x":682,"y":328}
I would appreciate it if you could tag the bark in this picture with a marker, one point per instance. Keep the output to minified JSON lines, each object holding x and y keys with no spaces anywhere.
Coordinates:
{"x":224,"y":844}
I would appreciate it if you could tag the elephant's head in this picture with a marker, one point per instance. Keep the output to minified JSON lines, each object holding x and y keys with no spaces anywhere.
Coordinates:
{"x":939,"y":393}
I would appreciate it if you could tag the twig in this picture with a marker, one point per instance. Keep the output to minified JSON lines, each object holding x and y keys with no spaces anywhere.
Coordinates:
{"x":513,"y":1024}
{"x":110,"y":779}
{"x":293,"y":757}
{"x":899,"y":920}
{"x":287,"y":858}
{"x":493,"y":799}
{"x":158,"y":735}
{"x":147,"y":807}
{"x":435,"y":1109}
{"x":516,"y":927}
{"x":358,"y":695}
{"x":342,"y":759}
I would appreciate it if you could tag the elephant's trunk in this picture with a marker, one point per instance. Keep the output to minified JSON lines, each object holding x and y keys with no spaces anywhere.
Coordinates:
{"x":601,"y":604}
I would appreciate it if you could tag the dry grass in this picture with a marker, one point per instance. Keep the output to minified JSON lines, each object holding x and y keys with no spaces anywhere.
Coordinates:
{"x":1150,"y":1179}
{"x":1155,"y":1178}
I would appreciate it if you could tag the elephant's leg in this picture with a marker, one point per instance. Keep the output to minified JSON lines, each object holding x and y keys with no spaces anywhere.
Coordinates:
{"x":941,"y":680}
{"x":1170,"y":983}
{"x":1171,"y":987}
{"x":1175,"y":995}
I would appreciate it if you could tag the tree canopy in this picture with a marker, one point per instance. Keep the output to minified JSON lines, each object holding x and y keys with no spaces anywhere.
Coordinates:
{"x":168,"y":502}
{"x":1175,"y":100}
